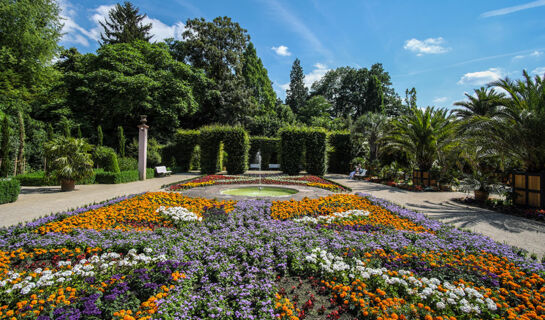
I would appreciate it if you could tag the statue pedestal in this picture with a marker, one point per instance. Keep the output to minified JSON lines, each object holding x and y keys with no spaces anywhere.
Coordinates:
{"x":142,"y":150}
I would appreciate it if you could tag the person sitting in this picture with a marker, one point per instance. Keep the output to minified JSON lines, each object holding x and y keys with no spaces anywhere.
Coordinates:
{"x":356,"y":171}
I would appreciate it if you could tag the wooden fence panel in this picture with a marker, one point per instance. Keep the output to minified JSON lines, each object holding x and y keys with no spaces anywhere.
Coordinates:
{"x":530,"y":189}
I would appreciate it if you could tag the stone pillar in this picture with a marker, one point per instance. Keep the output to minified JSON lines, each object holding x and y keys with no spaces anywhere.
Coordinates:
{"x":142,"y":147}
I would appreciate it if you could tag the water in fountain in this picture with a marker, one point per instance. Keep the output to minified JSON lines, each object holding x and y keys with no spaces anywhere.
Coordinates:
{"x":258,"y":158}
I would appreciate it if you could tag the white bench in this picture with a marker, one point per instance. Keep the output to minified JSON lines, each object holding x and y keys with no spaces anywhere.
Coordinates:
{"x":162,"y":171}
{"x":254,"y":166}
{"x":274,"y":166}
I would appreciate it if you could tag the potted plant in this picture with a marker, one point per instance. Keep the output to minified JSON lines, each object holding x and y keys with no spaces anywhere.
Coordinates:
{"x":70,"y":161}
{"x":482,"y":184}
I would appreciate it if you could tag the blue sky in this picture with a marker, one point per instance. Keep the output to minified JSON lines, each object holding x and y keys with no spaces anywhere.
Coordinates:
{"x":442,"y":48}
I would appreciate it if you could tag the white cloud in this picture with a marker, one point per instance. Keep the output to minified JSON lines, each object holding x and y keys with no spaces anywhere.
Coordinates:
{"x":440,"y":99}
{"x":539,"y":71}
{"x":508,"y":10}
{"x":427,"y":46}
{"x":482,"y":77}
{"x":319,"y":71}
{"x":282,"y":51}
{"x":284,"y":86}
{"x":533,"y":54}
{"x":74,"y":33}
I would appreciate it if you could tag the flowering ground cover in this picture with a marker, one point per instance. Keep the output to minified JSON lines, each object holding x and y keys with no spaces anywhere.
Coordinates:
{"x":304,"y":180}
{"x":165,"y":256}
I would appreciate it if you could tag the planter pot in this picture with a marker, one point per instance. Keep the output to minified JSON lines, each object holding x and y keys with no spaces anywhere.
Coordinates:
{"x":481,"y":196}
{"x":68,"y":185}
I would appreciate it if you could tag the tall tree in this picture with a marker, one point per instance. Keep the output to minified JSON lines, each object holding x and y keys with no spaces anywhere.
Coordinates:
{"x":5,"y":151}
{"x":121,"y":141}
{"x":218,"y":48}
{"x":257,"y":80}
{"x":124,"y":25}
{"x":30,"y":30}
{"x":100,"y":136}
{"x":297,"y":94}
{"x":21,"y":151}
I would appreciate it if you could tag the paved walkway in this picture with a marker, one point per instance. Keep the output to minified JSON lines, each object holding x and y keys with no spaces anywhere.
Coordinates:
{"x":512,"y":230}
{"x":35,"y":202}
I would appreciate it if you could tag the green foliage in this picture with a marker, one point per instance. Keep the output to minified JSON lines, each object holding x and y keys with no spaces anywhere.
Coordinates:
{"x":9,"y":190}
{"x":124,"y":25}
{"x":154,"y":153}
{"x":126,"y":164}
{"x":39,"y":178}
{"x":341,"y":154}
{"x":121,"y":141}
{"x":267,"y":146}
{"x":354,"y":92}
{"x":66,"y":129}
{"x":236,"y":144}
{"x":184,"y":145}
{"x":315,"y":146}
{"x":423,"y":134}
{"x":103,"y":158}
{"x":257,"y":80}
{"x":79,"y":133}
{"x":21,"y":150}
{"x":5,"y":151}
{"x":125,"y":80}
{"x":297,"y":94}
{"x":292,"y":146}
{"x":100,"y":136}
{"x":316,"y":106}
{"x":111,"y":163}
{"x":367,"y":132}
{"x":70,"y":158}
{"x":122,"y":177}
{"x":195,"y":162}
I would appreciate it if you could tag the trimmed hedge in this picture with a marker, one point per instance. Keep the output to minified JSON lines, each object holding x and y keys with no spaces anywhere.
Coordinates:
{"x":315,"y":146}
{"x":182,"y":148}
{"x":38,"y":178}
{"x":127,"y":163}
{"x":269,"y":150}
{"x":106,"y":158}
{"x":235,"y":143}
{"x":292,"y":146}
{"x":339,"y":158}
{"x":9,"y":190}
{"x":122,"y":177}
{"x":308,"y":143}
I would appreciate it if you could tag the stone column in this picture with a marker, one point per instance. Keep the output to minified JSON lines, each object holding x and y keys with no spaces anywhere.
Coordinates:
{"x":142,"y":147}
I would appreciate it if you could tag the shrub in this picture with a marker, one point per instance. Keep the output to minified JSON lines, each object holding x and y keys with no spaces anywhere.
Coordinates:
{"x":122,"y":177}
{"x":292,"y":145}
{"x":111,"y":164}
{"x":236,"y":144}
{"x":127,"y":163}
{"x":153,"y":153}
{"x":209,"y":140}
{"x":268,"y":148}
{"x":102,"y":157}
{"x":183,"y":148}
{"x":9,"y":190}
{"x":315,"y":155}
{"x":195,"y":162}
{"x":339,"y":157}
{"x":38,"y":178}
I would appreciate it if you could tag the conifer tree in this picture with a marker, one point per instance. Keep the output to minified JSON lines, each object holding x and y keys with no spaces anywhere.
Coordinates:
{"x":257,"y":79}
{"x":121,"y":141}
{"x":297,"y":93}
{"x":124,"y":25}
{"x":21,"y":152}
{"x":4,"y":167}
{"x":100,"y":136}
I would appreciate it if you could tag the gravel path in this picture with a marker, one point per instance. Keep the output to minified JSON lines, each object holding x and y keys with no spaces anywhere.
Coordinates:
{"x":512,"y":230}
{"x":35,"y":202}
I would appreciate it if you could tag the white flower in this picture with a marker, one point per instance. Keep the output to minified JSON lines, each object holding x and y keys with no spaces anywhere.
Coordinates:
{"x":440,"y":305}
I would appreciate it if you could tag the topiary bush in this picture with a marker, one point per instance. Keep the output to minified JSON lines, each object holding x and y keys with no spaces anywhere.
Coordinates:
{"x":315,"y":155}
{"x":9,"y":190}
{"x":236,"y":143}
{"x":111,"y":164}
{"x":209,"y":140}
{"x":122,"y":177}
{"x":102,"y":156}
{"x":182,"y":148}
{"x":292,"y":146}
{"x":127,"y":163}
{"x":341,"y":154}
{"x":268,"y":148}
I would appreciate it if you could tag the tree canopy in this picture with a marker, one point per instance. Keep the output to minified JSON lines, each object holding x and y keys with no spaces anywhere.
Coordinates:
{"x":124,"y":25}
{"x":297,"y":93}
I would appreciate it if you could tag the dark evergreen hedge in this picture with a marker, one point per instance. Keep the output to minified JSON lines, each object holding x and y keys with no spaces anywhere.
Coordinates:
{"x":9,"y":190}
{"x":214,"y":140}
{"x":339,"y":158}
{"x":38,"y":178}
{"x":292,"y":146}
{"x":315,"y":146}
{"x":122,"y":177}
{"x":236,"y":143}
{"x":269,"y":148}
{"x":182,"y":149}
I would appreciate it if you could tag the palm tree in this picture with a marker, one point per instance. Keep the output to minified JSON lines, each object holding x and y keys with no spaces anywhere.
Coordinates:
{"x":371,"y":127}
{"x":484,"y":103}
{"x":518,"y":129}
{"x":423,"y":134}
{"x":70,"y":161}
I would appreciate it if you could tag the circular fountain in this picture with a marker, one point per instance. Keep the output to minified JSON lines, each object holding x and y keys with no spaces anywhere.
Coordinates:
{"x":260,"y":191}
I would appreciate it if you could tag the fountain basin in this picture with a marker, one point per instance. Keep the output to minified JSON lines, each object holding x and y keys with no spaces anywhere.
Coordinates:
{"x":263,"y":191}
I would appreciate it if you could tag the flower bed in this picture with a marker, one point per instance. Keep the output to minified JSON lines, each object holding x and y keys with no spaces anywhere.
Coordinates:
{"x":306,"y":180}
{"x":165,"y":256}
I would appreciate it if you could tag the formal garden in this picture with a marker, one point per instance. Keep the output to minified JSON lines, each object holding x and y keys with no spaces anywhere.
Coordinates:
{"x":312,"y":248}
